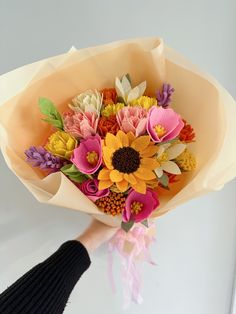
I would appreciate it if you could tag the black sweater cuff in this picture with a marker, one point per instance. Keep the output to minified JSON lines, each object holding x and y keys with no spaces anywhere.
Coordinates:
{"x":47,"y":286}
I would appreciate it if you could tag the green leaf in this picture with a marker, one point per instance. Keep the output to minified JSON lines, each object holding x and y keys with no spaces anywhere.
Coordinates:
{"x":73,"y":173}
{"x":126,"y":226}
{"x":164,"y":180}
{"x":145,"y":223}
{"x":53,"y":122}
{"x":47,"y":108}
{"x":70,"y":168}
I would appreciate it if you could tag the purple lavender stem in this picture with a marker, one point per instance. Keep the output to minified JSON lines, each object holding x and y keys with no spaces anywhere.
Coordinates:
{"x":40,"y":157}
{"x":164,"y":96}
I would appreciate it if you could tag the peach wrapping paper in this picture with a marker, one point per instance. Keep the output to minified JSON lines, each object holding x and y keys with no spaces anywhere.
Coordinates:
{"x":198,"y":98}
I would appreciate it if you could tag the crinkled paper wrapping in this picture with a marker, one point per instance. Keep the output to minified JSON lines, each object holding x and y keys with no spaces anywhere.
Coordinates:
{"x":198,"y":98}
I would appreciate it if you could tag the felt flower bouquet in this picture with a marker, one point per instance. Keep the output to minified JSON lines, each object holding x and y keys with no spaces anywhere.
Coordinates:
{"x":118,"y":146}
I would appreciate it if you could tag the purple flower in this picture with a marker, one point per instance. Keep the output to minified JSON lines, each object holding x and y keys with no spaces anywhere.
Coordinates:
{"x":90,"y":189}
{"x":40,"y":157}
{"x":164,"y":96}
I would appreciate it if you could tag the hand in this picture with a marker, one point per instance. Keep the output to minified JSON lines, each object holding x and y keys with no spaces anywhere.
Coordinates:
{"x":96,"y":234}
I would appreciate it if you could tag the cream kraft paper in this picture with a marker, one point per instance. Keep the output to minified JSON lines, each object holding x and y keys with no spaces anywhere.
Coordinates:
{"x":200,"y":100}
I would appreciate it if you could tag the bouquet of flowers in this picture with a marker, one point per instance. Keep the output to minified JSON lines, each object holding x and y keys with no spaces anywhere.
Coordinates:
{"x":122,"y":151}
{"x":119,"y":146}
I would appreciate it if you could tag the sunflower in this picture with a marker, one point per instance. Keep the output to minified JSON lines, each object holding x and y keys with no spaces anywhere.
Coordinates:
{"x":128,"y":161}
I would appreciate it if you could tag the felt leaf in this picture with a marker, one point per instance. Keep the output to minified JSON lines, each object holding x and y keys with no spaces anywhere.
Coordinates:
{"x":170,"y":167}
{"x":47,"y":107}
{"x":126,"y":226}
{"x":69,"y":168}
{"x":175,"y":150}
{"x":164,"y":180}
{"x":145,"y":223}
{"x":72,"y":172}
{"x":54,"y":122}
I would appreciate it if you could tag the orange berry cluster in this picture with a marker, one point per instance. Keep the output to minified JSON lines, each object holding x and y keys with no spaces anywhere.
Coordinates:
{"x":113,"y":204}
{"x":187,"y":134}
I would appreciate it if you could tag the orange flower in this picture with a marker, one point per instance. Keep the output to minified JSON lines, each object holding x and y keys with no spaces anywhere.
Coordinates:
{"x":109,"y":96}
{"x":106,"y":125}
{"x":187,"y":134}
{"x":128,"y":162}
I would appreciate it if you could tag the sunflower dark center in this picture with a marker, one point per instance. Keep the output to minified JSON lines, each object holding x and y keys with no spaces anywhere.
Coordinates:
{"x":126,"y":160}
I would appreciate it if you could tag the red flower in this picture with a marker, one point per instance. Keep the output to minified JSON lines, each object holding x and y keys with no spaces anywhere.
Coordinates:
{"x":187,"y":134}
{"x":106,"y":125}
{"x":109,"y":96}
{"x":172,"y":178}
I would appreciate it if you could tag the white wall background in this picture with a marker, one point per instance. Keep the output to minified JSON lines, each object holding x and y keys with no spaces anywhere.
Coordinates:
{"x":196,"y":243}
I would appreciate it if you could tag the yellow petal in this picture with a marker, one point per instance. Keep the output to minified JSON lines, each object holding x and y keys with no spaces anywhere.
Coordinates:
{"x":123,"y":138}
{"x":104,"y":174}
{"x":130,"y":178}
{"x":150,"y":163}
{"x":112,"y":141}
{"x":122,"y":185}
{"x":149,"y":151}
{"x":107,"y":156}
{"x":140,"y":187}
{"x":116,"y":176}
{"x":104,"y":184}
{"x":140,"y":143}
{"x":131,"y":137}
{"x":144,"y":174}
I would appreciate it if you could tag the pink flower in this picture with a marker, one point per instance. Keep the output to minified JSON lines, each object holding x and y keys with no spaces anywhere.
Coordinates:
{"x":163,"y":124}
{"x":139,"y":207}
{"x":88,"y":156}
{"x":90,"y":189}
{"x":80,"y":124}
{"x":132,"y":119}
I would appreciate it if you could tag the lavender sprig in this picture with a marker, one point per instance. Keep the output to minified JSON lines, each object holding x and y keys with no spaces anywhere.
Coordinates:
{"x":40,"y":157}
{"x":164,"y":96}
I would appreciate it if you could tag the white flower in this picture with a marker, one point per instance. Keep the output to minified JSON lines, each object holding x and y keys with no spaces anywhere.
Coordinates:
{"x":165,"y":155}
{"x":125,"y":90}
{"x":89,"y":101}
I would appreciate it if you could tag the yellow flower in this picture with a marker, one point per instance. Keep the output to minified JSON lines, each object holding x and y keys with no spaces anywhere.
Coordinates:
{"x":186,"y":161}
{"x":61,"y":144}
{"x":145,"y":102}
{"x":111,"y":109}
{"x":128,"y":162}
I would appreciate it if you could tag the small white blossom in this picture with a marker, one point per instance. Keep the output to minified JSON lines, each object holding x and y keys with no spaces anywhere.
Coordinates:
{"x":89,"y":101}
{"x":125,"y":90}
{"x":165,"y":155}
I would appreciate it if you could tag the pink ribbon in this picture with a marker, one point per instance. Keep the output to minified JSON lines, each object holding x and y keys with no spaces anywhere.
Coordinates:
{"x":133,"y":247}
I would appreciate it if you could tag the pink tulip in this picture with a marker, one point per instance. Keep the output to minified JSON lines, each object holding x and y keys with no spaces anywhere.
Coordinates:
{"x":143,"y":204}
{"x":88,"y":156}
{"x":132,"y":119}
{"x":163,"y":124}
{"x":80,"y":124}
{"x":90,"y":189}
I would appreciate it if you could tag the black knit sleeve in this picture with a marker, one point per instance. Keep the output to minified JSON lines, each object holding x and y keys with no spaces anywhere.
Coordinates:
{"x":47,"y":287}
